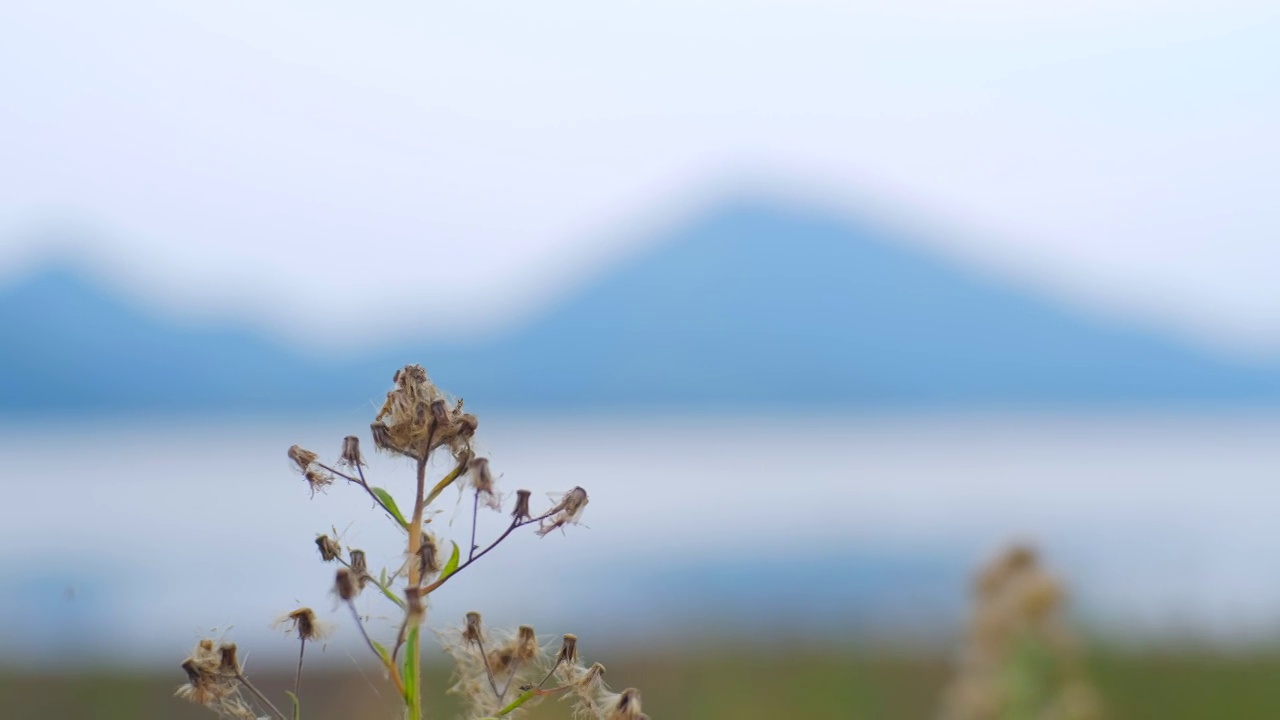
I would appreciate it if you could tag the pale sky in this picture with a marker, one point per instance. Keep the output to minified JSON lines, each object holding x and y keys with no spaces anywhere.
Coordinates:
{"x":314,"y":162}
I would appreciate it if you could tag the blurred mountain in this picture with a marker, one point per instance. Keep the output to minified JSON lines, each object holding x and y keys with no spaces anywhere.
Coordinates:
{"x":749,"y":304}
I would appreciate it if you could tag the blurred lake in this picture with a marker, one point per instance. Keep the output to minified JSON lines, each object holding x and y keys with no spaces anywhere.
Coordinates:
{"x":129,"y":539}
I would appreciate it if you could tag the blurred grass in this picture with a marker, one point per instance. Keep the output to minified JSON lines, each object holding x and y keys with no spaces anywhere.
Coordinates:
{"x":742,"y":685}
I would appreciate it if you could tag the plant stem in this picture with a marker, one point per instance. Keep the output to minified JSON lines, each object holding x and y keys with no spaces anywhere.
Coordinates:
{"x":475,"y":514}
{"x":493,"y":684}
{"x":515,"y":524}
{"x":390,"y":666}
{"x":414,"y":709}
{"x":361,"y":482}
{"x":297,"y":680}
{"x":261,"y":698}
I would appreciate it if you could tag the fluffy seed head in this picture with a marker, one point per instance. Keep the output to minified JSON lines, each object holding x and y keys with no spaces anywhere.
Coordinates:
{"x":482,"y":481}
{"x":526,"y":643}
{"x":317,"y":479}
{"x":626,"y":706}
{"x":303,"y":621}
{"x":416,"y":418}
{"x":345,"y":584}
{"x":567,"y":510}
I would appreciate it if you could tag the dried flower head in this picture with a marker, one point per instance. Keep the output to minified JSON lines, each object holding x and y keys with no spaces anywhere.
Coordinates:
{"x":359,"y":568}
{"x":351,"y":452}
{"x":568,"y":654}
{"x":473,"y":631}
{"x":416,"y":418}
{"x":304,"y":623}
{"x":228,"y":663}
{"x":567,"y":510}
{"x":428,"y":555}
{"x":329,"y":548}
{"x":626,"y":706}
{"x":301,"y":457}
{"x":526,"y":646}
{"x":209,"y":682}
{"x":345,"y":584}
{"x":318,"y":480}
{"x":482,"y":481}
{"x":521,"y":511}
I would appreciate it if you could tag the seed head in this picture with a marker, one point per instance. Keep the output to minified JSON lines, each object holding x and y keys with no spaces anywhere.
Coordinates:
{"x":439,"y":413}
{"x":416,"y":418}
{"x":428,"y":555}
{"x":359,"y":568}
{"x":521,"y":511}
{"x":345,"y":584}
{"x":228,"y":663}
{"x":301,"y":457}
{"x":626,"y":706}
{"x":526,"y":644}
{"x":206,"y":683}
{"x":567,"y":510}
{"x":351,"y":452}
{"x":381,"y":436}
{"x":482,"y":482}
{"x":473,"y":631}
{"x":317,"y":479}
{"x":329,"y":548}
{"x":303,"y":621}
{"x":592,"y":680}
{"x":568,"y":654}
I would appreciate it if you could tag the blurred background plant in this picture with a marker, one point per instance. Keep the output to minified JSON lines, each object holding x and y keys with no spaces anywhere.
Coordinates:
{"x":824,"y":302}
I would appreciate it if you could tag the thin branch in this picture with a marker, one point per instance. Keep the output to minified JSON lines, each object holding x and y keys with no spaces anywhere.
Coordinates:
{"x":515,"y":524}
{"x":258,"y":694}
{"x":551,"y":672}
{"x":362,"y":483}
{"x":475,"y":515}
{"x":488,"y":670}
{"x":386,"y":662}
{"x":297,"y":679}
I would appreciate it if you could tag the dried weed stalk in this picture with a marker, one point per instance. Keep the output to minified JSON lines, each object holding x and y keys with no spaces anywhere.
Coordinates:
{"x":498,"y":673}
{"x":1020,"y":660}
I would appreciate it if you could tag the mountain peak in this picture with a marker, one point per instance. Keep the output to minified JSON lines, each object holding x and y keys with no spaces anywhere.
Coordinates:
{"x":748,"y":304}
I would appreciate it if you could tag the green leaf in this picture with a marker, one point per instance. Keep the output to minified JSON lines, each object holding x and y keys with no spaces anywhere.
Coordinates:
{"x":382,"y":650}
{"x":297,"y":705}
{"x":382,"y":585}
{"x":450,"y":567}
{"x":445,"y":482}
{"x":390,"y":504}
{"x":520,"y":700}
{"x":410,"y":674}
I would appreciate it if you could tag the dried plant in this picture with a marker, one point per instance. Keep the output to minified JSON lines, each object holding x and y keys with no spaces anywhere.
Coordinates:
{"x":498,"y":674}
{"x":1020,"y":660}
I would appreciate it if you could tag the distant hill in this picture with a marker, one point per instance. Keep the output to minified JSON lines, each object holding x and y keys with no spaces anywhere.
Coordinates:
{"x":751,"y":304}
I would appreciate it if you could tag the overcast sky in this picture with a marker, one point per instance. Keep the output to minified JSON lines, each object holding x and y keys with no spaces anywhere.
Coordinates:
{"x":315,"y":161}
